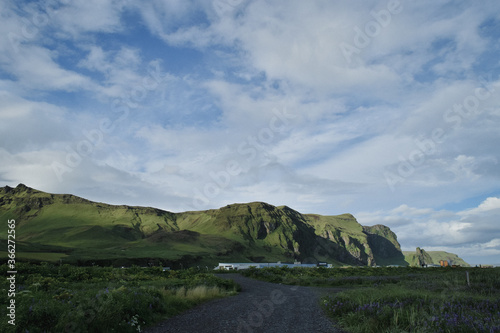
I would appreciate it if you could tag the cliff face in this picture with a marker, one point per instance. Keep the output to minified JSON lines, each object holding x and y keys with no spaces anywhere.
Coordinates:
{"x":342,"y":237}
{"x":239,"y":232}
{"x":385,"y":245}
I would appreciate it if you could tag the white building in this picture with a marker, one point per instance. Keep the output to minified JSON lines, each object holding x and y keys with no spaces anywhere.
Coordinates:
{"x":240,"y":266}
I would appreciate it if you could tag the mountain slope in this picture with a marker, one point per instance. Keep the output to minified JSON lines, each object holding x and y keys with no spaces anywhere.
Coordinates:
{"x":385,"y":245}
{"x":420,"y":256}
{"x":63,"y":226}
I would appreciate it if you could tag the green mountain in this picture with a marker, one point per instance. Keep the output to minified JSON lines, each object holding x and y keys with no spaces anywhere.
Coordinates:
{"x":384,"y":242}
{"x":420,"y":257}
{"x":67,"y":228}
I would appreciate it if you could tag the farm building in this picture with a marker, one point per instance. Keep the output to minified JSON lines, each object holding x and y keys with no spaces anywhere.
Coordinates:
{"x":444,"y":263}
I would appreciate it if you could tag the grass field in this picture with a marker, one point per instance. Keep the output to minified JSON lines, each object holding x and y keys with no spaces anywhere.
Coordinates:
{"x":64,"y":298}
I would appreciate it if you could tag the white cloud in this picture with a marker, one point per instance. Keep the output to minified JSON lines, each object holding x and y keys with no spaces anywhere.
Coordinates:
{"x":353,"y":119}
{"x":164,"y":16}
{"x":21,"y":119}
{"x":121,"y":70}
{"x":82,"y":16}
{"x":36,"y":68}
{"x":488,"y":205}
{"x":32,"y":167}
{"x":406,"y":210}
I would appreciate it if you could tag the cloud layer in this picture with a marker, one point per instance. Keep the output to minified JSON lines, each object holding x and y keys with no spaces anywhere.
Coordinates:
{"x":384,"y":109}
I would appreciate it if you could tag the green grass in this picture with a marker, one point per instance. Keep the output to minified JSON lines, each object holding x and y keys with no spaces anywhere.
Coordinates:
{"x":64,"y":298}
{"x":38,"y":256}
{"x":335,"y":277}
{"x":402,"y":299}
{"x":440,"y":306}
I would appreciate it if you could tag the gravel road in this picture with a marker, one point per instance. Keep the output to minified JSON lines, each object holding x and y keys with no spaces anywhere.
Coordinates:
{"x":259,"y":307}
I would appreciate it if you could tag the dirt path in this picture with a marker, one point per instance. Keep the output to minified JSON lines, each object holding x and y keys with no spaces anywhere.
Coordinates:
{"x":259,"y":307}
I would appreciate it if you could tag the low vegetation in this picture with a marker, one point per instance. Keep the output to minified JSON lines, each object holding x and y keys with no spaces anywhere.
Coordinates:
{"x":403,"y":299}
{"x":67,"y":298}
{"x":334,"y":277}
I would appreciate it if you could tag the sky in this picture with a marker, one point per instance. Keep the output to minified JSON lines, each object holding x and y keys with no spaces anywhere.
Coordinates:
{"x":388,"y":110}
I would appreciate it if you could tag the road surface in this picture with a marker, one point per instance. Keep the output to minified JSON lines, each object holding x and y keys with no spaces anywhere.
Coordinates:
{"x":259,"y":307}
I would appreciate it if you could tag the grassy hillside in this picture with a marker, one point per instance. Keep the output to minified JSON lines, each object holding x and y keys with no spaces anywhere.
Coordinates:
{"x":452,"y":258}
{"x":432,"y":257}
{"x":63,"y":227}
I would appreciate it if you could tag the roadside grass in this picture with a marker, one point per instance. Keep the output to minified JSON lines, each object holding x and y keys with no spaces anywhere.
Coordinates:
{"x":67,"y":298}
{"x":197,"y":294}
{"x":335,"y":277}
{"x":403,"y":309}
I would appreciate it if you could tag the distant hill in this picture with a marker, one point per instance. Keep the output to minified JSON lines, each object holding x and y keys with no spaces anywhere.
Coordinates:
{"x":67,"y":228}
{"x":420,"y":256}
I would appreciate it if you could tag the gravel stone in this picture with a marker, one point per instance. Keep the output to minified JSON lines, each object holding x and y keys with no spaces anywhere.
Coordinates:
{"x":259,"y":307}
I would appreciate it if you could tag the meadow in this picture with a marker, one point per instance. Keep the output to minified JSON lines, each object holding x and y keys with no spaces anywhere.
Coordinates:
{"x":403,"y":299}
{"x":66,"y":298}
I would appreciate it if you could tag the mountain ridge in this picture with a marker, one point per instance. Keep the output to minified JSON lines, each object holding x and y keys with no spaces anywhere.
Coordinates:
{"x":421,"y":257}
{"x":73,"y":229}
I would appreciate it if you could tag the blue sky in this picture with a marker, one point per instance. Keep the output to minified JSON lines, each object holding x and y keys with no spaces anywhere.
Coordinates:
{"x":388,"y":110}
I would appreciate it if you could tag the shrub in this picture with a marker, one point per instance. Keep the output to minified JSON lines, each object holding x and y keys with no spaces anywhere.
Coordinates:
{"x":97,"y":299}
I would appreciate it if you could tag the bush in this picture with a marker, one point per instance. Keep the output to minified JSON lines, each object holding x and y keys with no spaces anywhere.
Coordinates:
{"x":97,"y":299}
